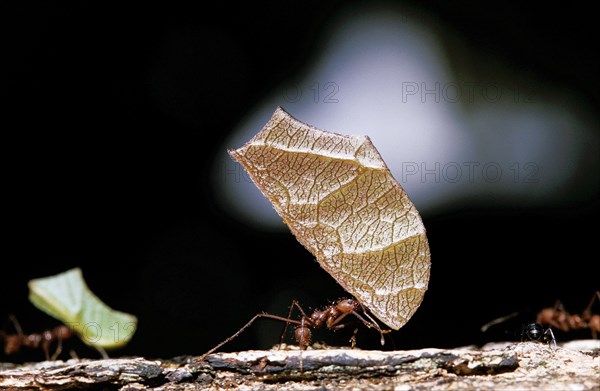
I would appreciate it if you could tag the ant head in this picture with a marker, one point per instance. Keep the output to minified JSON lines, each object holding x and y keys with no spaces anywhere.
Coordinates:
{"x":348,"y":305}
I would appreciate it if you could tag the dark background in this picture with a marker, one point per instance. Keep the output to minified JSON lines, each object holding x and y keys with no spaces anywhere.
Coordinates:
{"x":111,"y":119}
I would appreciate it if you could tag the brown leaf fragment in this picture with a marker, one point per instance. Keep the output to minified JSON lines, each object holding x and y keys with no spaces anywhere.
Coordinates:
{"x":342,"y":203}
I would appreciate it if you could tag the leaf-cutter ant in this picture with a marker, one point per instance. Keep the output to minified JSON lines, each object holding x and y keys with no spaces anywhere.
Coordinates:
{"x":330,"y":317}
{"x":14,"y":342}
{"x":560,"y":319}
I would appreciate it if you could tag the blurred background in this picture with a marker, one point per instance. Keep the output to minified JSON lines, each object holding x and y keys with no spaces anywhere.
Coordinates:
{"x":117,"y":120}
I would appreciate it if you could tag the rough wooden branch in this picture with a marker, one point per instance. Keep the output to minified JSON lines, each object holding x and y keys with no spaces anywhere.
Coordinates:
{"x":524,"y":366}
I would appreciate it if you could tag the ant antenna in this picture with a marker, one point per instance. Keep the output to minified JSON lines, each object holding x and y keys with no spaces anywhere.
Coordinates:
{"x":496,"y":321}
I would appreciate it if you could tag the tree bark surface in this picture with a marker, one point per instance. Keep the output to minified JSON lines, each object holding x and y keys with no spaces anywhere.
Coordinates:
{"x":520,"y":366}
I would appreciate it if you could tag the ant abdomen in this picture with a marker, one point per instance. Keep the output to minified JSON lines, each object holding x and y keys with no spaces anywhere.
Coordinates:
{"x":12,"y":344}
{"x":303,"y":336}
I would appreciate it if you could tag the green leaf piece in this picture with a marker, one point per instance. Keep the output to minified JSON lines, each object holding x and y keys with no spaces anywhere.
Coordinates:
{"x":67,"y":298}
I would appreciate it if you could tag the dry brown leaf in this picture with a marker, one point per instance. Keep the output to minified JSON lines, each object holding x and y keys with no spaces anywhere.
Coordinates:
{"x":342,"y":203}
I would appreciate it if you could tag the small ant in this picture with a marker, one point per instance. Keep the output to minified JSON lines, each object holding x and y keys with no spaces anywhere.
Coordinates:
{"x":536,"y":332}
{"x":556,"y":317}
{"x":560,"y":319}
{"x":14,"y":342}
{"x":330,"y":316}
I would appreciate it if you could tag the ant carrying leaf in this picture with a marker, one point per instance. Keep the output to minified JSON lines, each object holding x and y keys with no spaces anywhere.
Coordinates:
{"x":342,"y":203}
{"x":330,"y":317}
{"x":67,"y":298}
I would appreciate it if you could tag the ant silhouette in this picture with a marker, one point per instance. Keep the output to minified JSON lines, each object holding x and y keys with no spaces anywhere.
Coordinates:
{"x":14,"y":342}
{"x":560,"y":319}
{"x":330,"y":317}
{"x":536,"y":332}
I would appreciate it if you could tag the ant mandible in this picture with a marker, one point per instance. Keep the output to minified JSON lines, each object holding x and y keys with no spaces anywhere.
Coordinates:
{"x":330,"y":317}
{"x":560,"y":319}
{"x":14,"y":342}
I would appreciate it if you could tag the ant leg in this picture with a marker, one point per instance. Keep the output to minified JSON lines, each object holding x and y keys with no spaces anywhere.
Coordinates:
{"x":16,"y":325}
{"x":257,"y":316}
{"x":296,"y":305}
{"x":375,"y":325}
{"x":587,"y":313}
{"x":46,"y":339}
{"x":102,"y":352}
{"x":371,"y":323}
{"x":59,"y":347}
{"x":353,"y":338}
{"x":558,"y":306}
{"x":46,"y":349}
{"x":344,"y":325}
{"x":286,"y":324}
{"x":366,"y":323}
{"x":552,"y":341}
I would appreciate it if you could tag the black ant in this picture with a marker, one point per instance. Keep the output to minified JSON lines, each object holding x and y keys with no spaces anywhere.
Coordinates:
{"x":560,"y":319}
{"x":330,"y":317}
{"x":529,"y":332}
{"x":14,"y":342}
{"x":536,"y":332}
